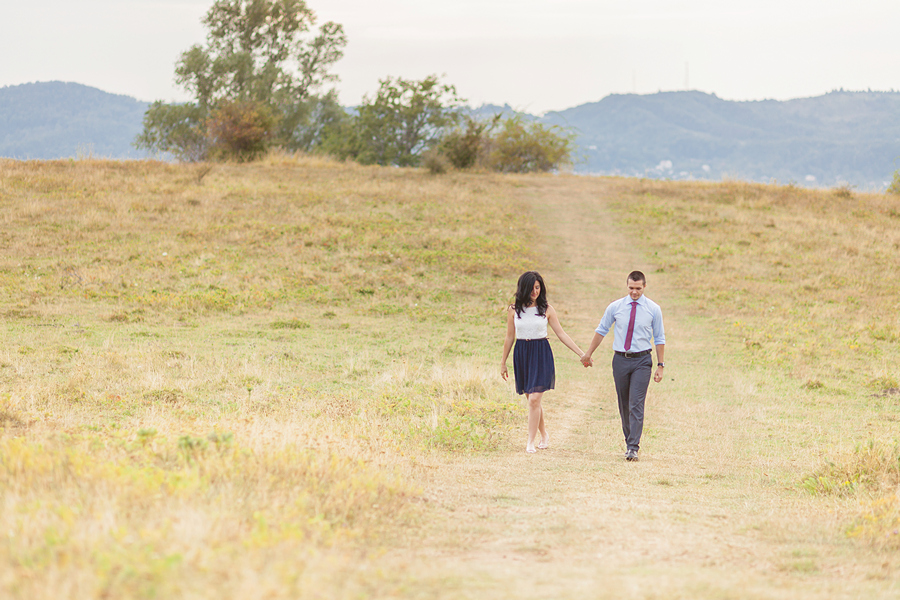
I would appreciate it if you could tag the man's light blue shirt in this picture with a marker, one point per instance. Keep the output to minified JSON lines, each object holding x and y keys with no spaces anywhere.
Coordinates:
{"x":648,"y":324}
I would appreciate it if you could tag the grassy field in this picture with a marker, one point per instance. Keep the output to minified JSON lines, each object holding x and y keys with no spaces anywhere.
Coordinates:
{"x":804,"y":286}
{"x":279,"y":380}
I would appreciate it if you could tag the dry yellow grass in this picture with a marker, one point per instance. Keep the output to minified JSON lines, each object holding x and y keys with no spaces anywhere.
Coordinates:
{"x":279,"y":380}
{"x":805,"y":283}
{"x":808,"y":279}
{"x":207,"y":373}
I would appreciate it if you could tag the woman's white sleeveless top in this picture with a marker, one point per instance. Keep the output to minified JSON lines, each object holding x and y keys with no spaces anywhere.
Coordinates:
{"x":530,"y":326}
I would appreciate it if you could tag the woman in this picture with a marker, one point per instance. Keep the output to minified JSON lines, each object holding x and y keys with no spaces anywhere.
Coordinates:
{"x":526,"y":324}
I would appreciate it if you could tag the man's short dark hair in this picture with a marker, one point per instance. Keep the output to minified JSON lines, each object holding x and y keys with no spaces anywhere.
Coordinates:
{"x":636,"y":276}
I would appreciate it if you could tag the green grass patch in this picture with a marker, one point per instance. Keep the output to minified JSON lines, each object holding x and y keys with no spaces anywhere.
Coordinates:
{"x":874,"y":467}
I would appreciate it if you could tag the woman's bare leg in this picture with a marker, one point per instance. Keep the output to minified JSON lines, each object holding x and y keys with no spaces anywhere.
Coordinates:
{"x":535,"y":416}
{"x":545,"y":437}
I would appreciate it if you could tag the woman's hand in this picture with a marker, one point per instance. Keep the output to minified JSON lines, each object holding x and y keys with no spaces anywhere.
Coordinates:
{"x":503,"y":372}
{"x":586,"y":360}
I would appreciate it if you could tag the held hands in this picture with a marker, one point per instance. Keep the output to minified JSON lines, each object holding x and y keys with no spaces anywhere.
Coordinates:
{"x":587,"y":361}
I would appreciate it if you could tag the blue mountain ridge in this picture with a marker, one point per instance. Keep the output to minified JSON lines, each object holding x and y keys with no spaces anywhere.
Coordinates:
{"x":834,"y":139}
{"x":56,"y":119}
{"x":838,"y":138}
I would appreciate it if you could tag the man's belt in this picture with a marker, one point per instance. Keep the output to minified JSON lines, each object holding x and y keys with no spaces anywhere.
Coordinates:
{"x":633,"y":354}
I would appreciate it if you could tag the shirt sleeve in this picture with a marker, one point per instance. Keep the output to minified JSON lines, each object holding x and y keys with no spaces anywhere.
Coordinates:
{"x":609,"y":317}
{"x":659,"y":331}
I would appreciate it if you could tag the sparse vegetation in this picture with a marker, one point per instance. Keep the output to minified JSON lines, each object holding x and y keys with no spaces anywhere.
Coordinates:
{"x":510,"y":145}
{"x":119,"y":514}
{"x":528,"y":146}
{"x":281,"y":377}
{"x":144,"y":311}
{"x":870,"y":475}
{"x":845,"y":190}
{"x":878,"y":523}
{"x":894,"y":188}
{"x":465,"y":147}
{"x":873,"y":468}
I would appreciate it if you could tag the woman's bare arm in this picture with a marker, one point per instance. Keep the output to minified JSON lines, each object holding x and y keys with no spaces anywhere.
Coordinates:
{"x":562,"y":335}
{"x":508,"y":342}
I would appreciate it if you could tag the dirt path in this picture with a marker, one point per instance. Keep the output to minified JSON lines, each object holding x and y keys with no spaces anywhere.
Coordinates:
{"x":698,"y":517}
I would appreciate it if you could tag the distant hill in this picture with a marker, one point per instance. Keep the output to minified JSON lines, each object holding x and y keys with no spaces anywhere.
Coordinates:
{"x":59,"y":120}
{"x":841,"y":137}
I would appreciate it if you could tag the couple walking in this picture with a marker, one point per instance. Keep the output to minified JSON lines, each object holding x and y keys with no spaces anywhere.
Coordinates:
{"x":638,"y":325}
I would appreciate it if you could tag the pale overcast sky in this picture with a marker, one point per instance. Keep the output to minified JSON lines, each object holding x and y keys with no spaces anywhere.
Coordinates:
{"x":536,"y":55}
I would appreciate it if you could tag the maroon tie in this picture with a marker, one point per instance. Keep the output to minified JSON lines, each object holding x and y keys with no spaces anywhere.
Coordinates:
{"x":630,"y":327}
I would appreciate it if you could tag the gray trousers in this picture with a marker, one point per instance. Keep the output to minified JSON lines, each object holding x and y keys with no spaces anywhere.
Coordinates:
{"x":632,"y":377}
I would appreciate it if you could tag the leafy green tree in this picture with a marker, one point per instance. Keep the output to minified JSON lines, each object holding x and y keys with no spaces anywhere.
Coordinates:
{"x":340,"y":139}
{"x":263,"y":51}
{"x":524,"y":147}
{"x":405,"y":118}
{"x":178,"y":129}
{"x":326,"y":121}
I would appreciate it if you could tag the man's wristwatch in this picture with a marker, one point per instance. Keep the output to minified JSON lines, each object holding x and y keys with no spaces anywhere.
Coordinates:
{"x":660,"y":364}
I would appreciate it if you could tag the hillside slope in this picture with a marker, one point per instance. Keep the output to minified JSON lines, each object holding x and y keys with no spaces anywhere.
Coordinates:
{"x":851,"y":137}
{"x":58,"y":120}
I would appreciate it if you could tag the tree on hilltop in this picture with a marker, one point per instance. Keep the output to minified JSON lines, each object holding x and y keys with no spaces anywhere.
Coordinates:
{"x":263,"y":56}
{"x":528,"y":147}
{"x":507,"y":145}
{"x":405,"y":118}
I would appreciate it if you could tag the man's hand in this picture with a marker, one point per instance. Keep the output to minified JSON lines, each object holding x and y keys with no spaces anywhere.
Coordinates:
{"x":587,"y":361}
{"x":658,"y":376}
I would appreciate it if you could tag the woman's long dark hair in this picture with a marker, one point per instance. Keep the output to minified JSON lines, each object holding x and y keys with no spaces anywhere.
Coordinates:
{"x":524,"y":289}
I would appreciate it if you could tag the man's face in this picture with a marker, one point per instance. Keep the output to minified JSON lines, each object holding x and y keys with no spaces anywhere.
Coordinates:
{"x":635,"y":289}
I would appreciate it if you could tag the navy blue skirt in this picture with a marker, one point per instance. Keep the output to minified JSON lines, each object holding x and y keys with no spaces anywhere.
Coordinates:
{"x":533,"y":366}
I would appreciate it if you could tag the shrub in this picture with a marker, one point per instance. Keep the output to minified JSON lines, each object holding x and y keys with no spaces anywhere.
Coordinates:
{"x":894,"y":188}
{"x":464,"y":147}
{"x":874,"y":467}
{"x":524,"y":147}
{"x":845,"y":190}
{"x":435,"y":161}
{"x":240,"y":130}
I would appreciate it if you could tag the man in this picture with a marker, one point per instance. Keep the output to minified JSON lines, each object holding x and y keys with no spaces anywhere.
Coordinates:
{"x":638,"y":326}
